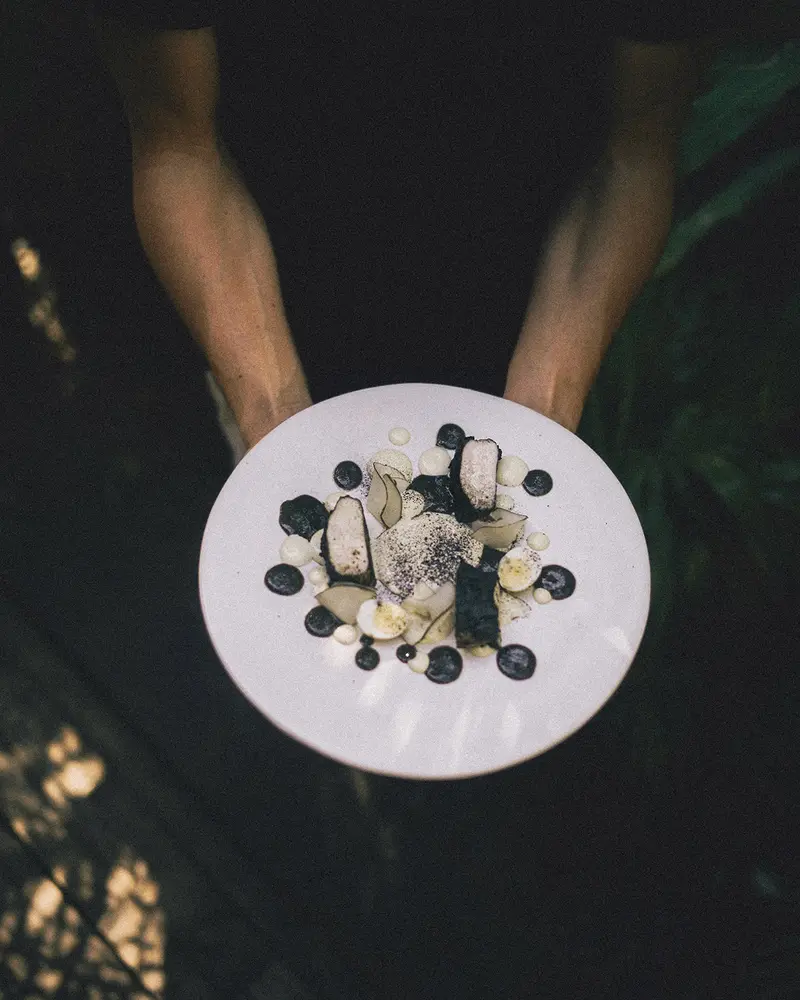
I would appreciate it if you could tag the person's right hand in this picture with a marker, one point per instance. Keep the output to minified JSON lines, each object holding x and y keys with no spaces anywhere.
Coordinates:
{"x":261,"y":415}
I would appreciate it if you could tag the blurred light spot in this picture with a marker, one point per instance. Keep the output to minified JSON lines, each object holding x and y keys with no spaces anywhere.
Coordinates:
{"x":56,"y":753}
{"x":120,"y":882}
{"x":70,"y":740}
{"x":49,"y":980}
{"x":18,"y":966}
{"x":79,"y":778}
{"x":46,"y":899}
{"x":53,"y":791}
{"x":67,"y":942}
{"x":27,"y":259}
{"x":153,"y":979}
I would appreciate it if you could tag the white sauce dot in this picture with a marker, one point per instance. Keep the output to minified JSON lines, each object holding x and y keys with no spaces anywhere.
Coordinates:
{"x":434,"y":462}
{"x":542,"y":596}
{"x":399,"y":435}
{"x":538,"y":541}
{"x":504,"y":501}
{"x":318,"y":575}
{"x":511,"y":470}
{"x":345,"y":634}
{"x":419,"y":663}
{"x":296,"y":551}
{"x":333,"y":498}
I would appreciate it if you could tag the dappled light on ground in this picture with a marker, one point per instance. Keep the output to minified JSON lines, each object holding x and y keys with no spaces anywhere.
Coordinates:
{"x":86,"y":925}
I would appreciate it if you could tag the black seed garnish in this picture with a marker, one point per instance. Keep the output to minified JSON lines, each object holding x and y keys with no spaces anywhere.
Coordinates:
{"x":406,"y":652}
{"x":537,"y":482}
{"x":347,"y":475}
{"x":444,"y":665}
{"x":304,"y":516}
{"x":284,"y":579}
{"x":367,"y":658}
{"x":516,"y":662}
{"x":366,"y":640}
{"x":450,"y":436}
{"x":321,"y":623}
{"x":559,"y":581}
{"x":437,"y":492}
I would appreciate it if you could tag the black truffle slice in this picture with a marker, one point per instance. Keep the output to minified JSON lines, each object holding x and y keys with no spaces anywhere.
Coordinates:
{"x":438,"y":493}
{"x":559,"y":581}
{"x":444,"y":665}
{"x":367,"y":658}
{"x":321,"y":623}
{"x":537,"y":482}
{"x":490,"y":559}
{"x":347,"y":475}
{"x":516,"y":662}
{"x":345,"y":544}
{"x":304,"y":516}
{"x":450,"y":436}
{"x":473,"y":477}
{"x":284,"y":579}
{"x":477,"y":622}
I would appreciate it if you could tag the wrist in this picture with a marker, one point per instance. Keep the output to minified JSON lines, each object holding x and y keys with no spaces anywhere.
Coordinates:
{"x":560,"y":400}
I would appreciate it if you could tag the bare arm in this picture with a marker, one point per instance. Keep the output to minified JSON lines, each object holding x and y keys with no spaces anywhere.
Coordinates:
{"x":609,"y":238}
{"x":199,"y":226}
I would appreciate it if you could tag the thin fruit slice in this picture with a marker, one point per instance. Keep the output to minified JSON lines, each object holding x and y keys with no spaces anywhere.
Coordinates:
{"x":501,"y":530}
{"x":344,"y":600}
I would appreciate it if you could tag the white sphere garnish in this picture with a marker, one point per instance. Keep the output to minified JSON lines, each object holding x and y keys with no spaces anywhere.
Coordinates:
{"x":399,"y":435}
{"x":318,"y":575}
{"x":419,"y":663}
{"x":434,"y":462}
{"x":511,"y":470}
{"x":382,"y":621}
{"x":317,"y":588}
{"x":504,"y":502}
{"x":542,"y":596}
{"x":296,"y":550}
{"x":518,"y":569}
{"x":395,"y":460}
{"x":538,"y":541}
{"x":413,"y":503}
{"x":333,"y":498}
{"x":316,"y":546}
{"x":345,"y":634}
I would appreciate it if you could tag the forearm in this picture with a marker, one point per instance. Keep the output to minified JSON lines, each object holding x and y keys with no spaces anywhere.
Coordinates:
{"x":208,"y":245}
{"x":595,"y":261}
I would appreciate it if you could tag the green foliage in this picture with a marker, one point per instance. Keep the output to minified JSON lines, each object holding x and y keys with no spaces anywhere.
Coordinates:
{"x":694,"y":405}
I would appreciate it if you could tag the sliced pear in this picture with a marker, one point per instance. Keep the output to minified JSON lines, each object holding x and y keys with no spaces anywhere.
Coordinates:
{"x":396,"y":475}
{"x":509,"y":606}
{"x":376,"y":498}
{"x":345,"y":599}
{"x":501,"y":531}
{"x":393,"y":509}
{"x":441,"y":627}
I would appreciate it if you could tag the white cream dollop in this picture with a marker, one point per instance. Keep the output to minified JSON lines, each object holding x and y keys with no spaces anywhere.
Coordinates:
{"x":316,"y":546}
{"x":419,"y":663}
{"x":511,"y":470}
{"x":399,"y":435}
{"x":296,"y":550}
{"x":318,"y":575}
{"x":395,"y":460}
{"x":542,"y":596}
{"x":538,"y":541}
{"x":504,"y":502}
{"x":345,"y":634}
{"x":434,"y":461}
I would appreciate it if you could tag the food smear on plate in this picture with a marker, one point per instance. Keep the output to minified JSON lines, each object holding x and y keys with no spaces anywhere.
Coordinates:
{"x":450,"y":560}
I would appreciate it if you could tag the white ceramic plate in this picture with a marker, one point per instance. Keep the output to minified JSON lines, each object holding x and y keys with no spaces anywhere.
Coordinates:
{"x":391,"y":720}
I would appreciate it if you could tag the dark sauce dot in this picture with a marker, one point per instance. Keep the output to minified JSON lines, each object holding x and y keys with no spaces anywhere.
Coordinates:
{"x":444,"y":665}
{"x":537,"y":482}
{"x":559,"y":581}
{"x":516,"y":662}
{"x":366,"y":640}
{"x":284,"y":579}
{"x":406,"y":652}
{"x":367,"y":658}
{"x":321,"y":623}
{"x":450,"y":436}
{"x":304,"y":515}
{"x":347,"y":475}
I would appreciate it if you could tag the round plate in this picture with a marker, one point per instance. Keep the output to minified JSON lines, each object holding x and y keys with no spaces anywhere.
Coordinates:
{"x":391,"y":720}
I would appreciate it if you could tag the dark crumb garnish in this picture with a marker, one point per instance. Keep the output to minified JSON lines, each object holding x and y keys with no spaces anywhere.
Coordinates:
{"x":516,"y":662}
{"x":367,"y":658}
{"x":406,"y":652}
{"x":284,"y":579}
{"x":537,"y":483}
{"x":450,"y":436}
{"x":347,"y":475}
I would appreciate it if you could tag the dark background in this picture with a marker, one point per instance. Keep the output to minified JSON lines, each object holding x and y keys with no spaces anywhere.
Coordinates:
{"x":651,"y":855}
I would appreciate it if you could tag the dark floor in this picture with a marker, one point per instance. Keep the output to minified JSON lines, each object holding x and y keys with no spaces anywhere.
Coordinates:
{"x":202,"y":854}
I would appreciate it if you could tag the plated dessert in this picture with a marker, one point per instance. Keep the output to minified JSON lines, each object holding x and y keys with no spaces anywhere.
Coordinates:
{"x":431,"y":566}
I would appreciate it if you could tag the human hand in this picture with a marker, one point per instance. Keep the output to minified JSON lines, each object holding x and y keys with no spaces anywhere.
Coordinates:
{"x":261,"y":415}
{"x":564,"y":407}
